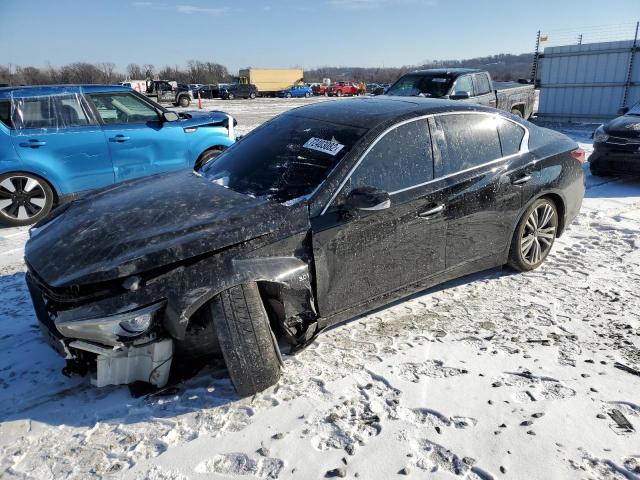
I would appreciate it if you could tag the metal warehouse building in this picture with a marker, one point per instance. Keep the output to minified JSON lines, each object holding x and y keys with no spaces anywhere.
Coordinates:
{"x":588,"y":82}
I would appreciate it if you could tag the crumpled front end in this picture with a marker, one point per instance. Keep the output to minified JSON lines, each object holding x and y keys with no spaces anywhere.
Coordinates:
{"x":116,"y":349}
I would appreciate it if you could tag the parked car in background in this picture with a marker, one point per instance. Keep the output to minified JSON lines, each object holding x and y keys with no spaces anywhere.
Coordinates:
{"x":239,"y":90}
{"x":207,"y":92}
{"x":372,"y":87}
{"x":466,"y":84}
{"x":320,"y":89}
{"x":317,"y":216}
{"x":343,"y":89}
{"x":172,"y":92}
{"x":296,"y":91}
{"x":59,"y":141}
{"x":616,"y":146}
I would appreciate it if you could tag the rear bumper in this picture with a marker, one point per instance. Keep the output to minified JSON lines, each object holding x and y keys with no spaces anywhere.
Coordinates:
{"x":619,"y":159}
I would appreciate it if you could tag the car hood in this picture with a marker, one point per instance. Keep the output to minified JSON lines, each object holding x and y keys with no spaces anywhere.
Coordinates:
{"x":199,"y":118}
{"x":148,"y":223}
{"x":627,"y":126}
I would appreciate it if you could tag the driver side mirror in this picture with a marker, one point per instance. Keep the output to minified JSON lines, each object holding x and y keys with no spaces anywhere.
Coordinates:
{"x":367,"y":199}
{"x":460,"y":96}
{"x":170,"y":117}
{"x":623,"y":110}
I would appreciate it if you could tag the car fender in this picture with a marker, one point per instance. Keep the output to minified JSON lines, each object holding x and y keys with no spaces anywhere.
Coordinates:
{"x":206,"y":138}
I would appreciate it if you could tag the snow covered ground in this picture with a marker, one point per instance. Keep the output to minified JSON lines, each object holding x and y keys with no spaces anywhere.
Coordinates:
{"x":496,"y":375}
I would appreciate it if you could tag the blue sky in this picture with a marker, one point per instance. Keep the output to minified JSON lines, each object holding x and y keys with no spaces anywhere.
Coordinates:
{"x":287,"y":33}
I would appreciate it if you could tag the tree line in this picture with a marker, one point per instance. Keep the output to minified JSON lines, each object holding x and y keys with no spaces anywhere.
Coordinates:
{"x":503,"y":67}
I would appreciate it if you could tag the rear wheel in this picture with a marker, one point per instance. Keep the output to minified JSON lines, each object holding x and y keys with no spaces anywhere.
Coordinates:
{"x":252,"y":95}
{"x":307,"y":95}
{"x":517,"y":112}
{"x":339,"y":93}
{"x":183,"y":101}
{"x":534,"y":236}
{"x":246,"y":340}
{"x":231,"y":96}
{"x":288,"y":95}
{"x":24,"y":199}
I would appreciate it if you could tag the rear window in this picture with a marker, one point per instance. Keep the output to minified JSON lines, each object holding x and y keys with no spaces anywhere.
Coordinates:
{"x":49,"y":112}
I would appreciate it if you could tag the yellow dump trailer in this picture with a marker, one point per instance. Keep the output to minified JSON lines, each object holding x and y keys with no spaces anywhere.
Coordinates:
{"x":271,"y":81}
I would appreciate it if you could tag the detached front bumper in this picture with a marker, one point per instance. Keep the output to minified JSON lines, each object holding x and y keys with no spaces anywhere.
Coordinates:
{"x":621,"y":158}
{"x":112,"y":354}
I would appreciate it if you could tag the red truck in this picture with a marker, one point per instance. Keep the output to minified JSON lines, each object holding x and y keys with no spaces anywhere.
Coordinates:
{"x":343,"y":89}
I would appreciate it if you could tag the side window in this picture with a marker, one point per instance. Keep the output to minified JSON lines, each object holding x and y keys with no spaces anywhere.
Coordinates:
{"x":466,"y":141}
{"x":511,"y":136}
{"x":5,"y":113}
{"x":400,"y":159}
{"x":482,"y":83}
{"x":117,"y":108}
{"x":34,"y":112}
{"x":71,"y":111}
{"x":463,"y":84}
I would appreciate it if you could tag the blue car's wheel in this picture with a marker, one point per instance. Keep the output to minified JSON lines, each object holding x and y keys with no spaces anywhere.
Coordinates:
{"x":288,"y":95}
{"x":24,"y":199}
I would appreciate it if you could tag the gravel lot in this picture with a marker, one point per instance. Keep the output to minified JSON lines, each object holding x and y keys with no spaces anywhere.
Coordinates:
{"x":495,"y":375}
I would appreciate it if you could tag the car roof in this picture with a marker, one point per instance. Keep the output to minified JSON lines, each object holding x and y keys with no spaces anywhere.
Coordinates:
{"x":43,"y":90}
{"x":372,"y":112}
{"x":448,"y":71}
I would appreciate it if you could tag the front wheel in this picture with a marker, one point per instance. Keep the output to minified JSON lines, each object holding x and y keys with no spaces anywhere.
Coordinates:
{"x":307,"y":95}
{"x":534,"y":236}
{"x":339,"y":93}
{"x":231,"y":96}
{"x":24,"y":199}
{"x":288,"y":95}
{"x":252,"y":95}
{"x":207,"y":157}
{"x":246,"y":340}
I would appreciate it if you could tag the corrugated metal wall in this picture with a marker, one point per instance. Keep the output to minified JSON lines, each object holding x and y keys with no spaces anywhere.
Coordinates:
{"x":586,"y":83}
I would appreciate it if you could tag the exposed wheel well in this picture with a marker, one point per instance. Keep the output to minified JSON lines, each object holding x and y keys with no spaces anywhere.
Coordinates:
{"x":519,"y":108}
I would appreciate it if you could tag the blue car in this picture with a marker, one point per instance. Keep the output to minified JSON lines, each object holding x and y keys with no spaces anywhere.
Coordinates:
{"x":59,"y":141}
{"x":296,"y":91}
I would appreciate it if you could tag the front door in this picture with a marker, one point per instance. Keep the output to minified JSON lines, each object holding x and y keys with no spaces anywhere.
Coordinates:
{"x":483,"y":199}
{"x":139,"y":142}
{"x":482,"y":88}
{"x":360,"y":255}
{"x":58,"y":134}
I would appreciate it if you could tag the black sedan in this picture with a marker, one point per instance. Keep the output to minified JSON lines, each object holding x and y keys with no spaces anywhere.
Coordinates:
{"x":207,"y":92}
{"x":321,"y":214}
{"x":617,"y":145}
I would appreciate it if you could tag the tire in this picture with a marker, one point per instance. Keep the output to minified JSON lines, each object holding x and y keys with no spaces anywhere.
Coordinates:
{"x":245,"y":339}
{"x":184,"y":101}
{"x":231,"y":96}
{"x":252,"y":96}
{"x":206,"y":157}
{"x":307,"y":95}
{"x":539,"y":224}
{"x":24,"y":199}
{"x":339,"y":93}
{"x":516,"y":112}
{"x":288,"y":95}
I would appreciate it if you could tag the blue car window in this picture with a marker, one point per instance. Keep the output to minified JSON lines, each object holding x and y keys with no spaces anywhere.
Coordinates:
{"x":5,"y":113}
{"x":118,"y":108}
{"x":34,"y":113}
{"x":71,"y":112}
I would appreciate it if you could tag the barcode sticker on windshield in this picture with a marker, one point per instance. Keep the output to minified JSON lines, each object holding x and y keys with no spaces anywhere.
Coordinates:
{"x":326,"y":146}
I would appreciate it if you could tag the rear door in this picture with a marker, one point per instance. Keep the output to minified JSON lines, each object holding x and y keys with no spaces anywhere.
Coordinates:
{"x":58,"y":138}
{"x":362,"y":255}
{"x":483,"y":195}
{"x":139,"y":142}
{"x":484,"y":95}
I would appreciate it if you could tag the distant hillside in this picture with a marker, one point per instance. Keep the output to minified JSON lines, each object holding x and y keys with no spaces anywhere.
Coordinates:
{"x":502,"y":67}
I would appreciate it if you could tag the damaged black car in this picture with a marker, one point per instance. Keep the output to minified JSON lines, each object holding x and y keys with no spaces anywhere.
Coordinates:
{"x":321,"y":214}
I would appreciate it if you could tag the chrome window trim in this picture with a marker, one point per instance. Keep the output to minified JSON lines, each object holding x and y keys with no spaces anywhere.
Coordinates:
{"x":524,"y":148}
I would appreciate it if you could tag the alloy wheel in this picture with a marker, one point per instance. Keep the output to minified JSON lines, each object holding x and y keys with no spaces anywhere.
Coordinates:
{"x":538,"y":234}
{"x":22,"y":198}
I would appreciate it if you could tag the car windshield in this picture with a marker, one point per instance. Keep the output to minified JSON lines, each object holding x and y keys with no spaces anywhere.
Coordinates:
{"x":635,"y":110}
{"x":432,"y":85}
{"x":284,"y":159}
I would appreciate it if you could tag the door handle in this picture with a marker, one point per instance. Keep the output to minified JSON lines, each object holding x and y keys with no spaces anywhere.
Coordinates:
{"x":33,"y":144}
{"x":432,"y":211}
{"x":522,"y":180}
{"x":119,"y":138}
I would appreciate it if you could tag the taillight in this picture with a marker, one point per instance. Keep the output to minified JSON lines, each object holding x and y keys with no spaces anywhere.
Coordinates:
{"x":579,"y":155}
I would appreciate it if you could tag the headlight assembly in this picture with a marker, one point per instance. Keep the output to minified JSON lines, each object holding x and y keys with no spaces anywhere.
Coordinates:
{"x":113,"y":329}
{"x":600,"y":135}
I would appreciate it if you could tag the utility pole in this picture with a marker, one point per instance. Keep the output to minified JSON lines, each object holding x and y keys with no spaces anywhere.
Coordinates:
{"x":632,"y":54}
{"x":536,"y":55}
{"x":580,"y":39}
